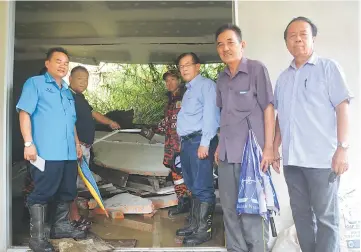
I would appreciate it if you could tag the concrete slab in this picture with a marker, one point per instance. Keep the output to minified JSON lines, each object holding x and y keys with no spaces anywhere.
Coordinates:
{"x":164,"y":201}
{"x":129,"y":204}
{"x":132,"y":158}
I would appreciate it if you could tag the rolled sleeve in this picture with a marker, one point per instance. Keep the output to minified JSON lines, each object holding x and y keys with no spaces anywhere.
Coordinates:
{"x":218,"y":96}
{"x":275,"y":96}
{"x":210,"y":113}
{"x":264,"y":88}
{"x":338,"y":89}
{"x":29,"y":98}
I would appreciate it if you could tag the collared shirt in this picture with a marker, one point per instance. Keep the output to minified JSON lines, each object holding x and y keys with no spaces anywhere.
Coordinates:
{"x":85,"y":125}
{"x":199,"y":110}
{"x":53,"y":117}
{"x":246,"y":94}
{"x":306,"y":99}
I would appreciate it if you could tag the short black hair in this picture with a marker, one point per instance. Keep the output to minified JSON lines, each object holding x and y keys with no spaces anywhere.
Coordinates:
{"x":304,"y":19}
{"x":53,"y":50}
{"x":231,"y":27}
{"x":78,"y":68}
{"x":195,"y":58}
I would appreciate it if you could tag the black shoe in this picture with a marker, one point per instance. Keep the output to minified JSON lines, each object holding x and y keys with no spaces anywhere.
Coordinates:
{"x":62,"y":227}
{"x":193,"y":224}
{"x":38,"y":238}
{"x":204,"y":230}
{"x":182,"y":207}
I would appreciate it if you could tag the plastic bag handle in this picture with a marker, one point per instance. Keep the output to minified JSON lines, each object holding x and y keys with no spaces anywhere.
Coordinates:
{"x":249,"y":123}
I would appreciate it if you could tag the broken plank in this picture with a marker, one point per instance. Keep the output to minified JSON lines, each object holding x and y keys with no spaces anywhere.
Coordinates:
{"x":164,"y":201}
{"x":116,"y":215}
{"x":150,"y":215}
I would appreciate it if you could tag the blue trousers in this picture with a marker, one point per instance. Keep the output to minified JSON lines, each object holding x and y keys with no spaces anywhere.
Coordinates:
{"x":198,"y":173}
{"x":56,"y":183}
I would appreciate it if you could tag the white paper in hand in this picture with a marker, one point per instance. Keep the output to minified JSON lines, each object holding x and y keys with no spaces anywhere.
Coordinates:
{"x":39,"y":163}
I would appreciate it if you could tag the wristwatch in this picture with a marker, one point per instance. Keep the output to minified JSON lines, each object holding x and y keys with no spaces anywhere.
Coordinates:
{"x":343,"y":145}
{"x":28,"y":144}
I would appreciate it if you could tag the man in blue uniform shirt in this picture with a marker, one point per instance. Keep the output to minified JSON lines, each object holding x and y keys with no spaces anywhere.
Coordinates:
{"x":47,"y":122}
{"x":197,"y":125}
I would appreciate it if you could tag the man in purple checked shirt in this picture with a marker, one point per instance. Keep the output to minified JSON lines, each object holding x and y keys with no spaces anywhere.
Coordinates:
{"x":244,"y":91}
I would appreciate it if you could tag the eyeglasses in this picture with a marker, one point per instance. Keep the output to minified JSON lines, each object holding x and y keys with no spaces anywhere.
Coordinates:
{"x":185,"y":66}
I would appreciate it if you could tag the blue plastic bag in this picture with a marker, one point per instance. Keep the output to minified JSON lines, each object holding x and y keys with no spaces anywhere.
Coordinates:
{"x":256,"y":194}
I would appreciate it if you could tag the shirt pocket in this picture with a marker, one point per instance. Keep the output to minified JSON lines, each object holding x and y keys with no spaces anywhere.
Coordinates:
{"x":69,"y":105}
{"x":315,"y":92}
{"x":243,"y":100}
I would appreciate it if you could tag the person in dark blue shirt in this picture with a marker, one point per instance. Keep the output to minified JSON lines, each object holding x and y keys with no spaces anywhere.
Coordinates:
{"x":85,"y":126}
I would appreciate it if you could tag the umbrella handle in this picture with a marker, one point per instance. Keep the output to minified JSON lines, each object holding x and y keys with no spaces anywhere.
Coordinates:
{"x":273,"y":227}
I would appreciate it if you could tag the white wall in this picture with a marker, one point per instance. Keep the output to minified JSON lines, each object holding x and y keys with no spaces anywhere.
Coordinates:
{"x":263,"y":24}
{"x":6,"y":63}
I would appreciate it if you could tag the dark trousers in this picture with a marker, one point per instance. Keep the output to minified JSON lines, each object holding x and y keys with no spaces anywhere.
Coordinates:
{"x":245,"y":232}
{"x":315,"y":208}
{"x":198,"y":173}
{"x":56,"y":183}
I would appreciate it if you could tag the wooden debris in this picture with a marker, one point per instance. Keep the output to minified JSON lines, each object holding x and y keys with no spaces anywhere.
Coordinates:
{"x":164,"y":201}
{"x":150,"y":215}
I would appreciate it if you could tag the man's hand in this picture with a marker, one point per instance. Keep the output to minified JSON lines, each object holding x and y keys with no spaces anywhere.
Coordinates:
{"x":277,"y":160}
{"x":79,"y":152}
{"x":114,"y":125}
{"x":216,"y":155}
{"x":203,"y":152}
{"x":30,"y":153}
{"x":267,"y":158}
{"x":340,"y":161}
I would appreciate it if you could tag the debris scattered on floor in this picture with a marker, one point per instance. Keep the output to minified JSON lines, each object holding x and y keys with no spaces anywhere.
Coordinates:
{"x":129,"y":204}
{"x":92,"y":244}
{"x":130,"y":184}
{"x":88,"y":245}
{"x":164,"y":201}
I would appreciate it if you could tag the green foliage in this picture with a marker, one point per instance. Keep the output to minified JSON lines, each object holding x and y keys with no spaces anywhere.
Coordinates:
{"x":138,"y":87}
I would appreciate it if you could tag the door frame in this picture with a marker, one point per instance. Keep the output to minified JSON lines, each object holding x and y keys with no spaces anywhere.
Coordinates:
{"x":6,"y":102}
{"x":7,"y":20}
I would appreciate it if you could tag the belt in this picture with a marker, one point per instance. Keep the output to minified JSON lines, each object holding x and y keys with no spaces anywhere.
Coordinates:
{"x":192,"y":135}
{"x":86,"y":145}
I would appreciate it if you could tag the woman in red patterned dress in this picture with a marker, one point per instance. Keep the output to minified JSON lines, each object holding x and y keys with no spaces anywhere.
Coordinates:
{"x":168,"y":127}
